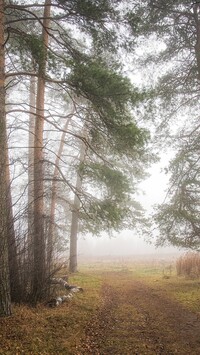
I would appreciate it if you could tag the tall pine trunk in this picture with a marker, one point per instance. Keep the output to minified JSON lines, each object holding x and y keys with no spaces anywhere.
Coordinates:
{"x":75,"y":215}
{"x":32,"y":119}
{"x":39,"y":252}
{"x":5,"y":302}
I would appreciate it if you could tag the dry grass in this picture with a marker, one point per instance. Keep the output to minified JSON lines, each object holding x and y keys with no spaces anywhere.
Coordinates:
{"x":188,"y":265}
{"x":42,"y":330}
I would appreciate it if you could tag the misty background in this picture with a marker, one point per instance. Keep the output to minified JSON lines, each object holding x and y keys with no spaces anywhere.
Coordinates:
{"x":152,"y":191}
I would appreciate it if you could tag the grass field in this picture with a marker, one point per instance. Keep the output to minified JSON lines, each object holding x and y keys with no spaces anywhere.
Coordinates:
{"x":60,"y":330}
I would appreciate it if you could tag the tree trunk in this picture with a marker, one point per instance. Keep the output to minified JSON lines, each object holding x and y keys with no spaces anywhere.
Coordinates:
{"x":15,"y":287}
{"x":39,"y":238}
{"x":74,"y":231}
{"x":53,"y":197}
{"x":5,"y":302}
{"x":75,"y":216}
{"x":32,"y":119}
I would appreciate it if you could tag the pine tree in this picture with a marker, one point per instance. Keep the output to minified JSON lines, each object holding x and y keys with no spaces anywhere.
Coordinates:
{"x":65,"y":50}
{"x":175,"y":27}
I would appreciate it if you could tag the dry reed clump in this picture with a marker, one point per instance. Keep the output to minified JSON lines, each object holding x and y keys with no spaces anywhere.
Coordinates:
{"x":188,"y":265}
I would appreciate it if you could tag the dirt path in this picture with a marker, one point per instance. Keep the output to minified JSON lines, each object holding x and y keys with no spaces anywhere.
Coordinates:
{"x":138,"y":319}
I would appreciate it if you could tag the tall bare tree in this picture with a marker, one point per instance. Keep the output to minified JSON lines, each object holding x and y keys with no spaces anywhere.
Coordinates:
{"x":5,"y":303}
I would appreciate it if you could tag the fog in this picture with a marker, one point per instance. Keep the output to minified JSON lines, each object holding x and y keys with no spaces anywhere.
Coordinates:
{"x":124,"y":244}
{"x":152,"y":191}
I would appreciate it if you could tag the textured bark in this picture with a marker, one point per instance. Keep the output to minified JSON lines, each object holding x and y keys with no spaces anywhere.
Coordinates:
{"x":75,"y":217}
{"x":53,"y":197}
{"x":39,"y":238}
{"x":5,"y":303}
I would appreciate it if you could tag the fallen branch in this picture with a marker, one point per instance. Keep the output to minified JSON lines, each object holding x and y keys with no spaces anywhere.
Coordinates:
{"x":54,"y":302}
{"x":65,"y":284}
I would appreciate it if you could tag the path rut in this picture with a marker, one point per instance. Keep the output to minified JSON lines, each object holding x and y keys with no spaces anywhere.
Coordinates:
{"x":135,"y":318}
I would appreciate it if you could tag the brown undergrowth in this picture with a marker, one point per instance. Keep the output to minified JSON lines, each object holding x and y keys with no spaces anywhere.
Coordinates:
{"x":124,"y":309}
{"x":136,"y":318}
{"x":44,"y":330}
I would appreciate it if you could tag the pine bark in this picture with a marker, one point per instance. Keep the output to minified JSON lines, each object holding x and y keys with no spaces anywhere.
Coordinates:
{"x":39,"y":276}
{"x":5,"y":301}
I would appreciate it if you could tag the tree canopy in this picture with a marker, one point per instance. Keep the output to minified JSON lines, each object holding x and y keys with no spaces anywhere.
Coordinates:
{"x":75,"y":143}
{"x":174,"y":26}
